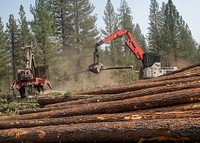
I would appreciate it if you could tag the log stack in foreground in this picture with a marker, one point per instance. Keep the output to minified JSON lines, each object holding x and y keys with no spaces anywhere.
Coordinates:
{"x":160,"y":109}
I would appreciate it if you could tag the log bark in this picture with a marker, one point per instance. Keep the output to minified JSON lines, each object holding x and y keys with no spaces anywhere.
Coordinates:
{"x":45,"y":100}
{"x":114,"y":97}
{"x":140,"y":115}
{"x":132,"y":104}
{"x":186,"y":129}
{"x":137,"y":86}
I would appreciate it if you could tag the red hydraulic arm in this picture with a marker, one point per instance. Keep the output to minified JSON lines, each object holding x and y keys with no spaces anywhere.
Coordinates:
{"x":132,"y":43}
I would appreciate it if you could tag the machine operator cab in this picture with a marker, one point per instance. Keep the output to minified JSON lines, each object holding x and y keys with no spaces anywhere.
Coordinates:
{"x":152,"y":66}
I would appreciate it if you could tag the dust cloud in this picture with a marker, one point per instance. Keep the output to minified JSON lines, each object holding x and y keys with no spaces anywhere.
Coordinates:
{"x":180,"y":63}
{"x":66,"y":77}
{"x":86,"y":81}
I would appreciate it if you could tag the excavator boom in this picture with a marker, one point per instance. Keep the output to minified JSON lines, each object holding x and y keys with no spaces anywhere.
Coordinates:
{"x":151,"y":61}
{"x":132,"y":43}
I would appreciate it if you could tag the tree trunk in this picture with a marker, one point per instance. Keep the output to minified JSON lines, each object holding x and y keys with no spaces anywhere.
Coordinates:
{"x":137,"y":86}
{"x":45,"y":100}
{"x":185,"y":129}
{"x":113,"y":97}
{"x":132,"y":104}
{"x":115,"y":117}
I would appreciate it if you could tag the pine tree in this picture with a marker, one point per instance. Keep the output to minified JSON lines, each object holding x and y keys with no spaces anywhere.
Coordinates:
{"x":140,"y":37}
{"x":44,"y":32}
{"x":83,"y":37}
{"x":155,"y":24}
{"x":61,"y":12}
{"x":186,"y":44}
{"x":177,"y":41}
{"x":25,"y":35}
{"x":137,"y":33}
{"x":4,"y":54}
{"x":110,"y":20}
{"x":170,"y":31}
{"x":13,"y":38}
{"x":126,"y":22}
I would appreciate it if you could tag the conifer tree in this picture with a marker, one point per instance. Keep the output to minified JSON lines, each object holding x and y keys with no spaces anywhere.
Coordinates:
{"x":25,"y":35}
{"x":110,"y":20}
{"x":177,"y":41}
{"x":84,"y":34}
{"x":4,"y":54}
{"x":44,"y":32}
{"x":61,"y":12}
{"x":14,"y":48}
{"x":186,"y":44}
{"x":155,"y":25}
{"x":137,"y":33}
{"x":125,"y":22}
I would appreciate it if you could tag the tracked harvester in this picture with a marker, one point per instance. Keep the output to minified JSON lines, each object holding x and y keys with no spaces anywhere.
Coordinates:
{"x":151,"y":65}
{"x":33,"y":78}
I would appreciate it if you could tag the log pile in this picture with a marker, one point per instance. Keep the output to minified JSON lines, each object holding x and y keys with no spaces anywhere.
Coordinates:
{"x":160,"y":109}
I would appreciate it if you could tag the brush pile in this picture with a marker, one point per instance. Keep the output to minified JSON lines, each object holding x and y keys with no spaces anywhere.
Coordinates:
{"x":164,"y":108}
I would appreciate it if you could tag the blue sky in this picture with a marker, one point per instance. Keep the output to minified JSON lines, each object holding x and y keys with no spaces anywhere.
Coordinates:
{"x":189,"y":9}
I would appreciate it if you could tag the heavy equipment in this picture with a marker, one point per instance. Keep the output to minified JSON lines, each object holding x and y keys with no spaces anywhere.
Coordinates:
{"x":32,"y":78}
{"x":151,"y":65}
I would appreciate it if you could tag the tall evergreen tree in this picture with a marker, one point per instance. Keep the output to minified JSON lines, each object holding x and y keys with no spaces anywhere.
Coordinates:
{"x":25,"y":35}
{"x":171,"y":17}
{"x":177,"y":41}
{"x":13,"y":38}
{"x":186,"y":44}
{"x":126,"y":22}
{"x":110,"y":20}
{"x":62,"y":14}
{"x":140,"y":37}
{"x":84,"y":30}
{"x":4,"y":54}
{"x":155,"y":25}
{"x":44,"y":32}
{"x":137,"y":33}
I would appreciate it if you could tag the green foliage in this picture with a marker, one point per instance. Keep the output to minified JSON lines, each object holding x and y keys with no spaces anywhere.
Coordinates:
{"x":155,"y":21}
{"x":170,"y":35}
{"x":110,"y":20}
{"x":11,"y":106}
{"x":25,"y":36}
{"x":68,"y":94}
{"x":44,"y":31}
{"x":4,"y":54}
{"x":13,"y":43}
{"x":56,"y":94}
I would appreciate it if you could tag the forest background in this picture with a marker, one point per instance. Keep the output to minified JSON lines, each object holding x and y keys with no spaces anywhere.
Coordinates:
{"x":64,"y":33}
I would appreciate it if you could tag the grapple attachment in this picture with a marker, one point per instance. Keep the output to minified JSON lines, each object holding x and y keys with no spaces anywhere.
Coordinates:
{"x":95,"y":67}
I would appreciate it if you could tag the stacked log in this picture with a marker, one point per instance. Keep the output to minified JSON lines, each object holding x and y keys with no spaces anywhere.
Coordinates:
{"x":164,"y":108}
